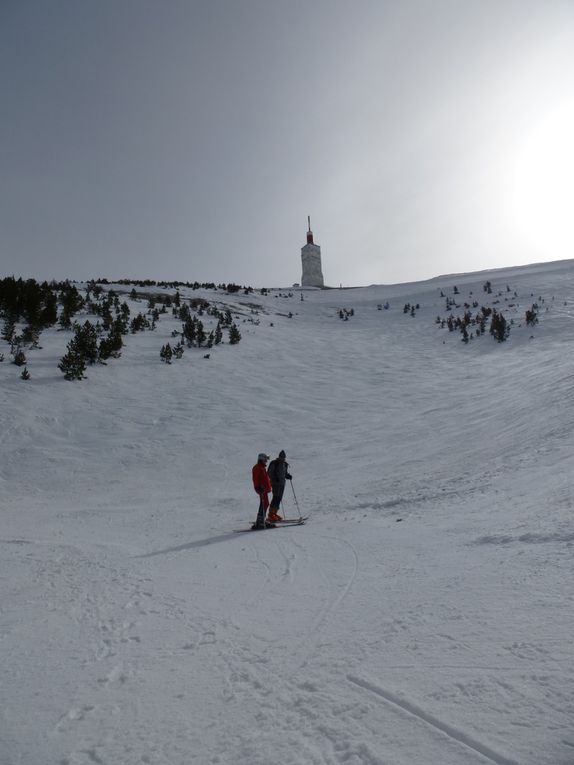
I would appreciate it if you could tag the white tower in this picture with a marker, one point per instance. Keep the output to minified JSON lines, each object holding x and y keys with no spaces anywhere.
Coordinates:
{"x":311,"y":260}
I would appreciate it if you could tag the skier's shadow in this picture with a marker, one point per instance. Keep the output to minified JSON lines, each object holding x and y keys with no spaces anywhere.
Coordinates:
{"x":191,"y":545}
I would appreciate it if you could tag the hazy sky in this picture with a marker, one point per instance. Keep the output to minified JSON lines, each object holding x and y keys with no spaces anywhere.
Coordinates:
{"x":184,"y":139}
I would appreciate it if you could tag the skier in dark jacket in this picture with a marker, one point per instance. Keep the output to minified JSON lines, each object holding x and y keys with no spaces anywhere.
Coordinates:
{"x":278,"y":472}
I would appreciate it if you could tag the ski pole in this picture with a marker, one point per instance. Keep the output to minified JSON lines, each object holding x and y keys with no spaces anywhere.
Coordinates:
{"x":295,"y":498}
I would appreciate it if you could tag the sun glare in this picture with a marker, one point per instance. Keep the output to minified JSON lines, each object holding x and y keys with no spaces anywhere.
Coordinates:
{"x":543,"y":186}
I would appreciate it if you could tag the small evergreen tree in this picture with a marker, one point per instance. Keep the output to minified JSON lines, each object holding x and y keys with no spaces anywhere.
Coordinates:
{"x":234,"y":335}
{"x":166,"y":353}
{"x":499,"y":328}
{"x":72,"y":302}
{"x":31,"y":336}
{"x":9,"y":329}
{"x":72,"y":363}
{"x":200,"y":334}
{"x":25,"y":374}
{"x":532,"y":316}
{"x":87,"y":342}
{"x":19,"y":358}
{"x":188,"y":331}
{"x":111,"y":345}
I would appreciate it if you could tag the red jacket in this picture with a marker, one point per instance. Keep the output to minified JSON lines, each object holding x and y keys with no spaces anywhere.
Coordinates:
{"x":260,"y":478}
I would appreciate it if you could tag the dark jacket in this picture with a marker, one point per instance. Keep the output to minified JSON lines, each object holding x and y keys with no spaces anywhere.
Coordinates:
{"x":278,"y":471}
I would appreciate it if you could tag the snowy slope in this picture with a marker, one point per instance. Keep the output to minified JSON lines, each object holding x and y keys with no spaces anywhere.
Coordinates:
{"x":424,"y":614}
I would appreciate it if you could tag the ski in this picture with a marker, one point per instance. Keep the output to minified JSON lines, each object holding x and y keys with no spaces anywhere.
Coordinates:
{"x":250,"y":528}
{"x":292,"y":521}
{"x":296,"y":522}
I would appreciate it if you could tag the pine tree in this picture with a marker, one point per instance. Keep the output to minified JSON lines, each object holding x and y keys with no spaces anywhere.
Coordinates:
{"x":166,"y":353}
{"x":82,"y":350}
{"x":200,"y":333}
{"x":87,"y":342}
{"x":218,"y":334}
{"x":9,"y":329}
{"x":498,"y":327}
{"x":188,"y":331}
{"x":532,"y":316}
{"x":111,"y":345}
{"x":72,"y":363}
{"x":234,"y":335}
{"x":72,"y":302}
{"x":25,"y":374}
{"x":19,"y":358}
{"x":31,"y":335}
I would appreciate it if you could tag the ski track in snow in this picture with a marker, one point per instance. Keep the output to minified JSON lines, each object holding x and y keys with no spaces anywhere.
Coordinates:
{"x":430,"y":720}
{"x":330,"y":608}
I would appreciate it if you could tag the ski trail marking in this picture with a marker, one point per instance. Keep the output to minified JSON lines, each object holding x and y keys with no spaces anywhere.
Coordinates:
{"x":333,"y":605}
{"x":432,"y":721}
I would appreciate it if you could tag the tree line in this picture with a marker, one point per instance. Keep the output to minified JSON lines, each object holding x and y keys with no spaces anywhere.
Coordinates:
{"x":38,"y":306}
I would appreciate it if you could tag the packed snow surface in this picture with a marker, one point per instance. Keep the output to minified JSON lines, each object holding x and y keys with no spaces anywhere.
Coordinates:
{"x":424,"y":615}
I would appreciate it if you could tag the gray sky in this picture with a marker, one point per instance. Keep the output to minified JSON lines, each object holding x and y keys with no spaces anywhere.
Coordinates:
{"x":179,"y":139}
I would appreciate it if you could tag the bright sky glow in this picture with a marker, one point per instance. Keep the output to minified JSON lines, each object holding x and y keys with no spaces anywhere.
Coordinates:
{"x":544,"y":185}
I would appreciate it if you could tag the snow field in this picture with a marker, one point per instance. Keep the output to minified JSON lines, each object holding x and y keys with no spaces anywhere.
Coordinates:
{"x":422,"y":616}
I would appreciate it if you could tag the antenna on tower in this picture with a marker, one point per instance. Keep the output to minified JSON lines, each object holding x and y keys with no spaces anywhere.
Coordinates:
{"x":309,"y":232}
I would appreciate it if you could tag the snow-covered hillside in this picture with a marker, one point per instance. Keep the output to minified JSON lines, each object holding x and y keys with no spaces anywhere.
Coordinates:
{"x":423,"y":616}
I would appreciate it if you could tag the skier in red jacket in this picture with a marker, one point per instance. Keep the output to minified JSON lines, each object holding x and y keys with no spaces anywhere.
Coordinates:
{"x":262,"y":486}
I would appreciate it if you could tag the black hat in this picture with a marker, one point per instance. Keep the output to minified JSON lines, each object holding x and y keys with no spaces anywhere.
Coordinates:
{"x":282,"y":454}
